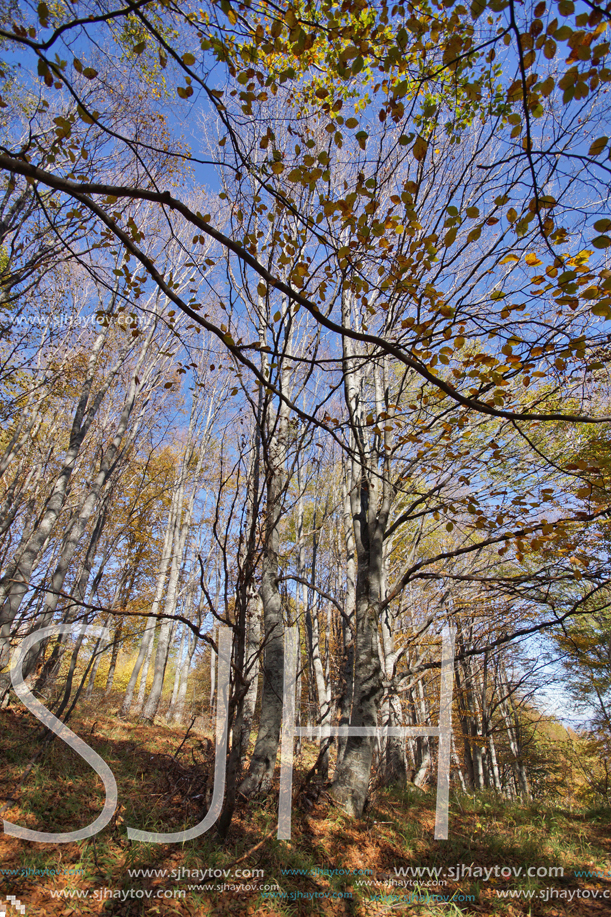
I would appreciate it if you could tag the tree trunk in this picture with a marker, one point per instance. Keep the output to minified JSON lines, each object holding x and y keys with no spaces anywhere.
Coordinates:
{"x":166,"y":624}
{"x":371,"y":498}
{"x":146,"y":644}
{"x":116,"y":645}
{"x":178,"y":672}
{"x":183,"y":524}
{"x":263,"y":761}
{"x":348,"y":618}
{"x":274,"y":444}
{"x":14,"y":583}
{"x":179,"y":708}
{"x":251,"y":668}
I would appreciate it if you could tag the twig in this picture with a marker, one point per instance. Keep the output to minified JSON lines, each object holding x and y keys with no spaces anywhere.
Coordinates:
{"x":175,"y":755}
{"x":252,"y":850}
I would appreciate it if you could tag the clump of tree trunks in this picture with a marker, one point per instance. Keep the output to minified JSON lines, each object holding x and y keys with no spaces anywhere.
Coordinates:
{"x":324,"y":347}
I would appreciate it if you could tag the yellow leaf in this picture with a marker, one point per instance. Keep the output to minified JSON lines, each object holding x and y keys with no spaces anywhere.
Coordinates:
{"x":598,"y":146}
{"x":532,"y":259}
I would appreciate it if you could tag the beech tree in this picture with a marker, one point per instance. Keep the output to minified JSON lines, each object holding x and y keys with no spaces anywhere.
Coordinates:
{"x":407,"y":255}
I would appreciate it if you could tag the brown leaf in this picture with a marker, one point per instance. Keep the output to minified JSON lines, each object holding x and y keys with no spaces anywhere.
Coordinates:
{"x":420,"y":148}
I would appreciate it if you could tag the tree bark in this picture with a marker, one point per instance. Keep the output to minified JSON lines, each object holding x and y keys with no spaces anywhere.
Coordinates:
{"x":146,"y":644}
{"x":370,"y":504}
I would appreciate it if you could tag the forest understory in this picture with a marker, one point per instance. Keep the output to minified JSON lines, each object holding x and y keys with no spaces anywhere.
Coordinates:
{"x":164,"y":783}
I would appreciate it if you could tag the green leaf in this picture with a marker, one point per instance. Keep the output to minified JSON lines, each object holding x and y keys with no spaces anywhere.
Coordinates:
{"x":602,"y":225}
{"x":601,"y":242}
{"x":602,"y":309}
{"x":188,"y":59}
{"x":550,"y":48}
{"x":477,"y":8}
{"x":85,"y":117}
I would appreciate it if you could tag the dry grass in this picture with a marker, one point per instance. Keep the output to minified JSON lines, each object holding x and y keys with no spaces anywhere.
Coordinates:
{"x":163,"y":792}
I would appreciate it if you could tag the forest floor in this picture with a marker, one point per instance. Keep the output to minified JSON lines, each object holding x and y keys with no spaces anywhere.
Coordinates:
{"x":384,"y":863}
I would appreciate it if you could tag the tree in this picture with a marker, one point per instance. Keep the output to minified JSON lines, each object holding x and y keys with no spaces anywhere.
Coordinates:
{"x":405,"y":190}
